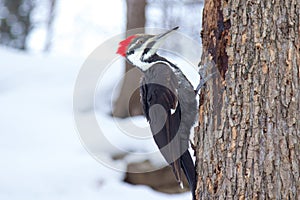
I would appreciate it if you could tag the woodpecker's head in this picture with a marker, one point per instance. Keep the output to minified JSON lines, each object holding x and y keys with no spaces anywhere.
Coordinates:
{"x":138,"y":49}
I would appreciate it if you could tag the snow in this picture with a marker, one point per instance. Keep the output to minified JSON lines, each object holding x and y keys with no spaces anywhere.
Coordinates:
{"x":44,"y":154}
{"x":80,"y":26}
{"x":41,"y":152}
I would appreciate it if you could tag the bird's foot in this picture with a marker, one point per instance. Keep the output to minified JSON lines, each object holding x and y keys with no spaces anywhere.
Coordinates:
{"x":203,"y":76}
{"x":203,"y":81}
{"x":193,"y":145}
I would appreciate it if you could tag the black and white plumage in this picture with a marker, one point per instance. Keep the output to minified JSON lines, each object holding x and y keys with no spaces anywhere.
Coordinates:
{"x":168,"y":99}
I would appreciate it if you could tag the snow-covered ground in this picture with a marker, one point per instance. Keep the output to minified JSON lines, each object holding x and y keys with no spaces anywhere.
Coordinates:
{"x":41,"y":154}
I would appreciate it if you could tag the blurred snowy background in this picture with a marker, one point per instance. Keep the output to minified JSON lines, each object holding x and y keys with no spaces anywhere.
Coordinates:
{"x":42,"y":49}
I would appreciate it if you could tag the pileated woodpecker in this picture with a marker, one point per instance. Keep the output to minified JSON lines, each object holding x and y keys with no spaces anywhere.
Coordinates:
{"x":169,"y":101}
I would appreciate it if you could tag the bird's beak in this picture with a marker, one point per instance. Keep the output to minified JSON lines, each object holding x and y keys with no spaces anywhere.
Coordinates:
{"x":165,"y":35}
{"x":161,"y":37}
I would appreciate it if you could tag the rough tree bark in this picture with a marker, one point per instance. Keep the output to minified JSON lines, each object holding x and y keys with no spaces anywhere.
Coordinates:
{"x":128,"y":102}
{"x":249,"y":118}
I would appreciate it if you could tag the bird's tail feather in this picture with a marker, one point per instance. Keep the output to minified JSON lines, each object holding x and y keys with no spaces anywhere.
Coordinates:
{"x":188,"y":167}
{"x":176,"y":166}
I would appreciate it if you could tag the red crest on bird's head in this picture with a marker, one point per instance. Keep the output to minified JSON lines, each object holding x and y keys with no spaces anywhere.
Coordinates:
{"x":123,"y":45}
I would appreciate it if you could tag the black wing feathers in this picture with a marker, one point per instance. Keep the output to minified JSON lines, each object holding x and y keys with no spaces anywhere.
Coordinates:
{"x":159,"y":97}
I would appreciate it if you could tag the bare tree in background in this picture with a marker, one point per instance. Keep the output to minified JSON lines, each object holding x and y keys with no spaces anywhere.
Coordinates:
{"x":248,"y":139}
{"x":50,"y":21}
{"x":128,"y":102}
{"x":15,"y":22}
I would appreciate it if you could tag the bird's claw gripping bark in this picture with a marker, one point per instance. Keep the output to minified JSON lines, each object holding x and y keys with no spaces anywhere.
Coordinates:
{"x":203,"y":77}
{"x":193,"y":145}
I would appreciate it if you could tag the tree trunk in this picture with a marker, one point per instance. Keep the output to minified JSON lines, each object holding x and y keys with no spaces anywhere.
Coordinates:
{"x":249,"y":118}
{"x":128,"y":102}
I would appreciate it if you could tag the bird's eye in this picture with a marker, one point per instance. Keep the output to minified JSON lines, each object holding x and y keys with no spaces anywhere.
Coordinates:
{"x":140,"y":41}
{"x":130,"y":52}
